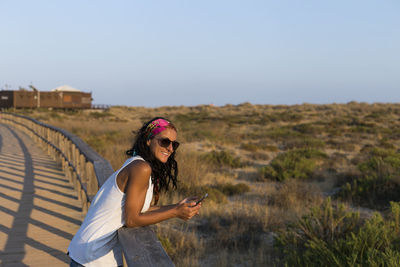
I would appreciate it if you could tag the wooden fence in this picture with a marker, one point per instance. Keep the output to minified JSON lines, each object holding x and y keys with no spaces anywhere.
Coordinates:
{"x":87,"y":170}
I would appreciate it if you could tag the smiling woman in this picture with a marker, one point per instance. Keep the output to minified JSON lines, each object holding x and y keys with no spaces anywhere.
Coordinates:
{"x":125,"y":198}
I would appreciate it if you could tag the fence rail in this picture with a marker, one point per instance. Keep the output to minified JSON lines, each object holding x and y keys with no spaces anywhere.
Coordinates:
{"x":86,"y":169}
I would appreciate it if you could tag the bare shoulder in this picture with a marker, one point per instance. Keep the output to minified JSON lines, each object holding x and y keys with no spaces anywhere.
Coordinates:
{"x":139,"y":170}
{"x":139,"y":167}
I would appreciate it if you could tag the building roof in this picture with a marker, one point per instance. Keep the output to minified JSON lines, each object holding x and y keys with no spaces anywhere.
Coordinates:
{"x":65,"y":88}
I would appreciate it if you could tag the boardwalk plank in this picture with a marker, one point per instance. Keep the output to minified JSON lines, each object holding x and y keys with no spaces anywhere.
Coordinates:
{"x":39,"y":208}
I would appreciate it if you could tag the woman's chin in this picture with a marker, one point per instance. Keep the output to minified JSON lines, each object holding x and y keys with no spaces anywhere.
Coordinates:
{"x":162,"y":160}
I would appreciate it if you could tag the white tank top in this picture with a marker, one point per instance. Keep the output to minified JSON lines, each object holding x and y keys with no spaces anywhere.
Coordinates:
{"x":96,"y":242}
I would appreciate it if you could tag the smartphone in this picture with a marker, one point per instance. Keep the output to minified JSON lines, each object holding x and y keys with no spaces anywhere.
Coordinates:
{"x":201,"y":199}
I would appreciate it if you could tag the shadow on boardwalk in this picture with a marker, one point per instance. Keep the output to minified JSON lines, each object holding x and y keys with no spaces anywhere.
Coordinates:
{"x":39,"y":209}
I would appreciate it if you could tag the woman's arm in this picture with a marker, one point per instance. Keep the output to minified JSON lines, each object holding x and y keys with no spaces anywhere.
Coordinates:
{"x":163,"y":207}
{"x":167,"y":207}
{"x":137,"y":183}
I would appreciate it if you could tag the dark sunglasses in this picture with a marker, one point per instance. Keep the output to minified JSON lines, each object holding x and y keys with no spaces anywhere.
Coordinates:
{"x":165,"y":142}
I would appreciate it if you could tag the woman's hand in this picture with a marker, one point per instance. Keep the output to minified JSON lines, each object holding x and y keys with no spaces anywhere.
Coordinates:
{"x":187,"y":208}
{"x":188,"y":200}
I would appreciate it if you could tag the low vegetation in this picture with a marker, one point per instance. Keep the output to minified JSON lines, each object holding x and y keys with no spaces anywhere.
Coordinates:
{"x":377,"y":182}
{"x":296,"y":164}
{"x":222,"y":158}
{"x":334,"y":236}
{"x":268,"y":171}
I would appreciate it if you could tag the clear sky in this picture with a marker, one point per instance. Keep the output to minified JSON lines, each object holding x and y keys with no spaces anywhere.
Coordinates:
{"x":187,"y":52}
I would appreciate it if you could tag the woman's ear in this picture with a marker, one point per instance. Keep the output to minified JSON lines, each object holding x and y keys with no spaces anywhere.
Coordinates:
{"x":148,"y":142}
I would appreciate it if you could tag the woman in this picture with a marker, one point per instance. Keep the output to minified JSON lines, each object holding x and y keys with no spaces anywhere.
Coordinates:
{"x":125,"y":197}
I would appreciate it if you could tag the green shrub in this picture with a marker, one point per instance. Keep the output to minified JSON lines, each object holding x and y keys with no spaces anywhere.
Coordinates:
{"x":55,"y":115}
{"x":370,"y":129}
{"x":230,"y":189}
{"x":214,"y":194}
{"x":270,"y":148}
{"x":202,"y":134}
{"x":261,"y":145}
{"x":259,"y":156}
{"x":332,"y":236}
{"x":222,"y":158}
{"x":381,"y":163}
{"x":246,"y":118}
{"x":375,"y":115}
{"x":99,"y":142}
{"x":72,"y":112}
{"x":249,"y":147}
{"x":386,"y":144}
{"x":360,"y":126}
{"x":307,"y":128}
{"x":298,"y":164}
{"x":340,"y":145}
{"x":193,"y":117}
{"x":286,"y":116}
{"x":377,"y":184}
{"x":234,"y":229}
{"x":338,"y":122}
{"x":23,"y":111}
{"x":282,"y":133}
{"x":169,"y":248}
{"x":201,"y":128}
{"x":96,"y":142}
{"x":113,"y":136}
{"x":394,"y":133}
{"x":304,"y":142}
{"x":180,"y":245}
{"x":98,"y":115}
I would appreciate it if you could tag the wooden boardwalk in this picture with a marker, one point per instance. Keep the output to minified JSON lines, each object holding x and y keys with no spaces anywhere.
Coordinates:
{"x":39,"y":209}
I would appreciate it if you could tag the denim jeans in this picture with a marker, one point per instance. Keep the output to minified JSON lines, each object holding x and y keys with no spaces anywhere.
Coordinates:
{"x":75,"y":264}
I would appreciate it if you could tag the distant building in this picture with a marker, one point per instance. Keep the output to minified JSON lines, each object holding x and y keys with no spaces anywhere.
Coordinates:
{"x":65,"y":88}
{"x":60,"y":97}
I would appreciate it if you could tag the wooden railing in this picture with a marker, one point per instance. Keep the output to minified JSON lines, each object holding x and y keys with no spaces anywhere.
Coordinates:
{"x":87,"y":170}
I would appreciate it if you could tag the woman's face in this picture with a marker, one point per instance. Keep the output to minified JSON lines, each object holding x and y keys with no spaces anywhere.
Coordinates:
{"x":159,"y":152}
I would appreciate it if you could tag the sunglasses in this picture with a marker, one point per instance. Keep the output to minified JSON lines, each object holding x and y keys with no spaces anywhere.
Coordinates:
{"x":165,"y":142}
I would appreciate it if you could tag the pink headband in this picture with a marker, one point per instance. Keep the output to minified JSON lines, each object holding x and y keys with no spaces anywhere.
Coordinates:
{"x":156,"y":127}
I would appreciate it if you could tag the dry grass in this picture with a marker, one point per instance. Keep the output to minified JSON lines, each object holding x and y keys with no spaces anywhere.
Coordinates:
{"x":238,"y":230}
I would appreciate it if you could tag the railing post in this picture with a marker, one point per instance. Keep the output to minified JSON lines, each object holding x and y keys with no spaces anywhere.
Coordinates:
{"x":82,"y":168}
{"x":92,"y":185}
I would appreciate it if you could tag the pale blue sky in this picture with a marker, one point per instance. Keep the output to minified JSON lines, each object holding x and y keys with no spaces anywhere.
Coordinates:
{"x":170,"y":52}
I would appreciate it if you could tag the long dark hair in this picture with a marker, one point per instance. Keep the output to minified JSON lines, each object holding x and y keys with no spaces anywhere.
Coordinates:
{"x":162,"y":174}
